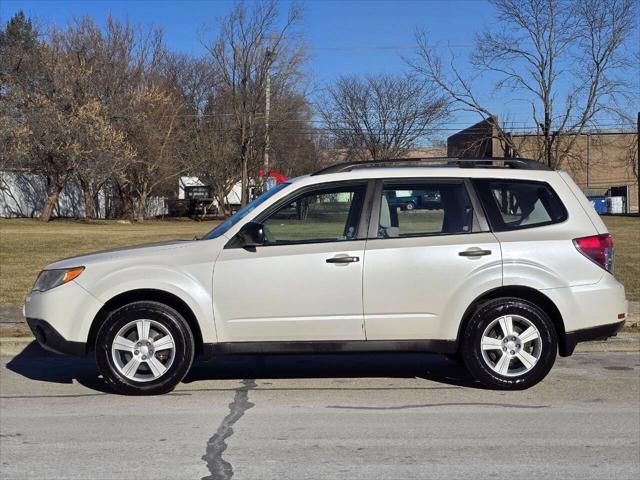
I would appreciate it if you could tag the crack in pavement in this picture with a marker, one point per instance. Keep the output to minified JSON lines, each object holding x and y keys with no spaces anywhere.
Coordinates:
{"x":427,"y":405}
{"x":219,"y":468}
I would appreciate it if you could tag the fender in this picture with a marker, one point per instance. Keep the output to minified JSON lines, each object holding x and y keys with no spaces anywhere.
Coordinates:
{"x":193,"y":290}
{"x":480,"y":281}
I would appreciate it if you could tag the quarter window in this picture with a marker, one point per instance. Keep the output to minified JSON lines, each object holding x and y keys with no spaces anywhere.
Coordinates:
{"x":515,"y":204}
{"x":328,"y":215}
{"x":424,"y":209}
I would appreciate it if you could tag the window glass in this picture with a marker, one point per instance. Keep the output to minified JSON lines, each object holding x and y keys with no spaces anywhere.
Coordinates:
{"x":317,"y":216}
{"x":240,"y":214}
{"x":520,"y":204}
{"x":424,"y":209}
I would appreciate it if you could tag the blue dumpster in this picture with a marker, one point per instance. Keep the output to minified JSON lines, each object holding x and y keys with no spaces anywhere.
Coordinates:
{"x":599,"y":204}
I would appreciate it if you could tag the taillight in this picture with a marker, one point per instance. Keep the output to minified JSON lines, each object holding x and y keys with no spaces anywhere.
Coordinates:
{"x":598,"y":248}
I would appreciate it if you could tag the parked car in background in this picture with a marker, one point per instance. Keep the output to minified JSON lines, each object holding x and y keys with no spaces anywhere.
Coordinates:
{"x":512,"y":268}
{"x":413,"y":199}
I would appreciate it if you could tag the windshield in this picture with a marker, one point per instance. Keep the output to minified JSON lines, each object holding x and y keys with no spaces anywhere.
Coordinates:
{"x":240,"y":214}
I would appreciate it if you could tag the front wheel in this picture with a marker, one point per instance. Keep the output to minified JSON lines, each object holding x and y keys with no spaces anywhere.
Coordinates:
{"x":509,"y":343}
{"x":144,"y":348}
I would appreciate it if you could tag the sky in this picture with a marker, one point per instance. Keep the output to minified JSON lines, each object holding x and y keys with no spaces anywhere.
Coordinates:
{"x":344,"y":37}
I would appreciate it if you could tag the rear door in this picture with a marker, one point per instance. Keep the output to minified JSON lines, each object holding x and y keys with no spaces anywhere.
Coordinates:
{"x":424,"y":266}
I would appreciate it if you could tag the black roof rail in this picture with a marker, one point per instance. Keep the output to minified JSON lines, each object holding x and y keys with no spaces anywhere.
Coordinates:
{"x":515,"y":163}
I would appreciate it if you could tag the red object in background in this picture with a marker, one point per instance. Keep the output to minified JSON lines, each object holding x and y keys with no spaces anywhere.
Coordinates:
{"x":279,"y":177}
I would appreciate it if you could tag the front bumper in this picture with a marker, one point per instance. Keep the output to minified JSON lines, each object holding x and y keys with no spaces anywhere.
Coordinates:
{"x":50,"y":339}
{"x":601,"y":332}
{"x":67,"y":310}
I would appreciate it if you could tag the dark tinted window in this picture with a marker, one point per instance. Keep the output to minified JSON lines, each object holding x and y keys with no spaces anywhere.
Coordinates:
{"x":410,"y":210}
{"x":514,"y":204}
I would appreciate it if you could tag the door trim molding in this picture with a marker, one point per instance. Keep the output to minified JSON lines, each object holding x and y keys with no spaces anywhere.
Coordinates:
{"x":210,"y":350}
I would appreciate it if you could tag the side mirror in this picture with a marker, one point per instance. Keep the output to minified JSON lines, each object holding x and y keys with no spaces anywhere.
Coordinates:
{"x":250,"y":236}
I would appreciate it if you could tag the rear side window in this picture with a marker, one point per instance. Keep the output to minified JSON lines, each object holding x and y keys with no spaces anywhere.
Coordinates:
{"x":419,"y":209}
{"x":516,"y":204}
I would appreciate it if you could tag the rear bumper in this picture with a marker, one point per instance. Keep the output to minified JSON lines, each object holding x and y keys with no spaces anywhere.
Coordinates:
{"x":50,"y":339}
{"x":589,"y":312}
{"x":601,"y":332}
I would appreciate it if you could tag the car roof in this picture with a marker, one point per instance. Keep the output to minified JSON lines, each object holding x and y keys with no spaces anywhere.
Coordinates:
{"x":399,"y":173}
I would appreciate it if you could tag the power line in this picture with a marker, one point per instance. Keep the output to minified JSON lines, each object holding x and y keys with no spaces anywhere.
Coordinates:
{"x":389,"y":47}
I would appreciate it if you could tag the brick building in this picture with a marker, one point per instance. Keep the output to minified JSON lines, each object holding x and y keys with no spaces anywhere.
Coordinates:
{"x":602,"y":163}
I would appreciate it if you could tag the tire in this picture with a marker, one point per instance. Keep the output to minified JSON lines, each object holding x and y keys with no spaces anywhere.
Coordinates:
{"x":494,"y":363}
{"x":410,"y":206}
{"x":455,"y":358}
{"x":163,"y":355}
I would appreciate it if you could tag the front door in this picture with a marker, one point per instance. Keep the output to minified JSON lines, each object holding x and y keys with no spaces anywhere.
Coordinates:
{"x":305,"y":283}
{"x":425,"y":265}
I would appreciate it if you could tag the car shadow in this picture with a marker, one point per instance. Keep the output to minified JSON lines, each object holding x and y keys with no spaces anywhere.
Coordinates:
{"x":38,"y":364}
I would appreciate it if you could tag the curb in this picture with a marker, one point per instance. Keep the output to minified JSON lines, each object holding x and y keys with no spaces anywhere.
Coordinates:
{"x":12,"y":346}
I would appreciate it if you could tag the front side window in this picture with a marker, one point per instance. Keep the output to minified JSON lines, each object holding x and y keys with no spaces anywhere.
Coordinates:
{"x":515,"y":204}
{"x":327,"y":215}
{"x":240,"y":214}
{"x":428,"y":208}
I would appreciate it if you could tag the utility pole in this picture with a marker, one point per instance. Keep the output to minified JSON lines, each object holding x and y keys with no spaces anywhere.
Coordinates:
{"x":270,"y":55}
{"x":638,"y":159}
{"x":588,"y":156}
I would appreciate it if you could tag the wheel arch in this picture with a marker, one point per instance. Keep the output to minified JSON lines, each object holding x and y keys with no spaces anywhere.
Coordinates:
{"x":146,"y":294}
{"x":524,"y":293}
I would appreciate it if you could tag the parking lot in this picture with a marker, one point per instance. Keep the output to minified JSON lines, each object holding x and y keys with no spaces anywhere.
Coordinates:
{"x":334,"y":416}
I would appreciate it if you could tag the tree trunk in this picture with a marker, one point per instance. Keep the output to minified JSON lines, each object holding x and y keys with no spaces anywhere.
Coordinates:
{"x":50,"y":203}
{"x":127,"y":205}
{"x":245,"y":182}
{"x":638,"y":164}
{"x":223,"y":207}
{"x":89,"y":209}
{"x":244,"y":152}
{"x":142,"y":207}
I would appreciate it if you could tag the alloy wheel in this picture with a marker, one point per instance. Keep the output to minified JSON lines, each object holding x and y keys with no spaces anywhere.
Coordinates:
{"x":143,"y":350}
{"x":511,"y":345}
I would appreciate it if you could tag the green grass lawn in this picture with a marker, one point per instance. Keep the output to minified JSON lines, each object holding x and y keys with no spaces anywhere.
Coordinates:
{"x":27,"y":245}
{"x":626,"y":243}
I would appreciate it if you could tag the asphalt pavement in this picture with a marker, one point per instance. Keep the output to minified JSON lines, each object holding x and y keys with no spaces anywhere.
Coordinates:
{"x":350,"y":416}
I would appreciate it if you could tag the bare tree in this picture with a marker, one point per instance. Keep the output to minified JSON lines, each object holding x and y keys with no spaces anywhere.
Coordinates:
{"x":380,"y":116}
{"x":54,"y":125}
{"x":536,"y":49}
{"x":293,"y":144}
{"x":252,"y":44}
{"x":104,"y":151}
{"x":153,"y":134}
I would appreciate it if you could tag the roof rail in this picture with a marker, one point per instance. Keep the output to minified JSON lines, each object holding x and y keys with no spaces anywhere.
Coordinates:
{"x":515,"y":163}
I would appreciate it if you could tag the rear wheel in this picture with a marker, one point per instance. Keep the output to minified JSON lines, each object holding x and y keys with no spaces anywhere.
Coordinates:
{"x":144,"y":348}
{"x":509,"y":343}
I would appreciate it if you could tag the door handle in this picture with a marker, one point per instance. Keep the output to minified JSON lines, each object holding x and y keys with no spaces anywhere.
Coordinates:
{"x":346,"y":259}
{"x":474,"y":252}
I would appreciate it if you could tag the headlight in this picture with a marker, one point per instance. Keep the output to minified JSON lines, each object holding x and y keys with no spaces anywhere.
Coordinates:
{"x":49,"y":279}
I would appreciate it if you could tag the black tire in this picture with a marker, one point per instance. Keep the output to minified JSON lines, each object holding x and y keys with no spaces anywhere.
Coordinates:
{"x":471,"y":343}
{"x":183,"y":352}
{"x":455,"y":358}
{"x":410,"y":206}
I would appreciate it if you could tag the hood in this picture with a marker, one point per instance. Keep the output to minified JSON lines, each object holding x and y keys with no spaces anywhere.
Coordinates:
{"x":117,"y":253}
